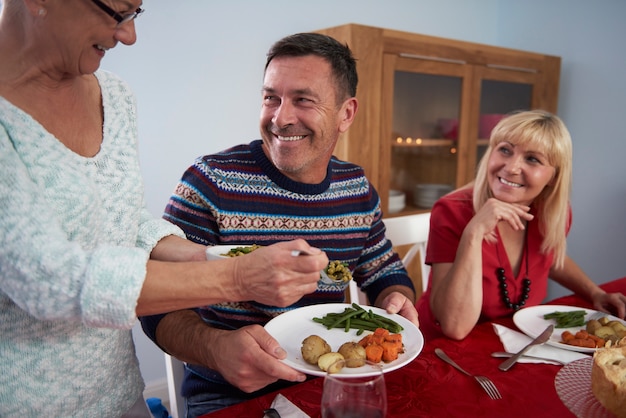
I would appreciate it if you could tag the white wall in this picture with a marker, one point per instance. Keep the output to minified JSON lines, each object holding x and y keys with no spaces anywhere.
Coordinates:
{"x":197,"y":71}
{"x":588,"y":37}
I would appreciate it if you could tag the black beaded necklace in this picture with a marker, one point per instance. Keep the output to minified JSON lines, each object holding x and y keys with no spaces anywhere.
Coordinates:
{"x":504,"y":293}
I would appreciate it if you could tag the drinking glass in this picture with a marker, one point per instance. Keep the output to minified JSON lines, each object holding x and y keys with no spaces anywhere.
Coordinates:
{"x":352,"y":394}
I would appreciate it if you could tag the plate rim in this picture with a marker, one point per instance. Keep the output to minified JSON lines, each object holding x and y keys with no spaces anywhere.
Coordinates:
{"x":211,"y":249}
{"x":557,"y":331}
{"x":355,"y":372}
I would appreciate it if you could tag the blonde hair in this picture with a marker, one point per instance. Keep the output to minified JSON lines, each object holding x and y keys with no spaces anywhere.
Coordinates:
{"x":547,"y":133}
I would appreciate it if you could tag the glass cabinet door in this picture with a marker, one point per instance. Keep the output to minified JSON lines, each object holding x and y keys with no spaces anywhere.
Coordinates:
{"x":422,"y":128}
{"x":437,"y":121}
{"x":425,"y":131}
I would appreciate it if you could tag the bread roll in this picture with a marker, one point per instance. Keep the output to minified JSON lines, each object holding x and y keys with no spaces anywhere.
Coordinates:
{"x":608,"y":378}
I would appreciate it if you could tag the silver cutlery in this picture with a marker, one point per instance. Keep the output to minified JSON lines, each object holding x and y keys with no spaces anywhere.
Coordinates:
{"x":542,"y":338}
{"x":484,"y":382}
{"x":271,"y":413}
{"x":596,"y":315}
{"x":323,"y":273}
{"x":504,"y":354}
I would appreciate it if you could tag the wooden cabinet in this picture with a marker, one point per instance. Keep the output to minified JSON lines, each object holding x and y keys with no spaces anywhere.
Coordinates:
{"x":426,"y":105}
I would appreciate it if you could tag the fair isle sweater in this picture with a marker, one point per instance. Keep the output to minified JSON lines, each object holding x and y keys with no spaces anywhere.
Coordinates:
{"x":74,"y":241}
{"x":239,"y":197}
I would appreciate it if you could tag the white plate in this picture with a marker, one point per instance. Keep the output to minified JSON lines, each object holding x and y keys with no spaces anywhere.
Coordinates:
{"x":215,"y":252}
{"x":292,"y":327}
{"x":530,"y":321}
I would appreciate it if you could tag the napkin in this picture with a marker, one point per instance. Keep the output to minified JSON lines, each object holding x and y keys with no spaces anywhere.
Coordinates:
{"x":286,"y":408}
{"x":514,"y":341}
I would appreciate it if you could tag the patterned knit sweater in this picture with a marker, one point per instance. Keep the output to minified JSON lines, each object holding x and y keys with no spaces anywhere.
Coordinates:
{"x":74,"y":241}
{"x":239,"y":197}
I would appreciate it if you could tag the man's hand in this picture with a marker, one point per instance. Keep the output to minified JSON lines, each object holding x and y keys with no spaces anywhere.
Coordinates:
{"x":249,"y":358}
{"x":397,"y":303}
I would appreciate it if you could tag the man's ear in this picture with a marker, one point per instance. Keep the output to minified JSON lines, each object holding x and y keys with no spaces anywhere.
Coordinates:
{"x":347,"y":113}
{"x":36,"y":7}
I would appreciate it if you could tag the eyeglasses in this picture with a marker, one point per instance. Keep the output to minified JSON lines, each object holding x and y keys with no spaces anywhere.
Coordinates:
{"x":120,"y":19}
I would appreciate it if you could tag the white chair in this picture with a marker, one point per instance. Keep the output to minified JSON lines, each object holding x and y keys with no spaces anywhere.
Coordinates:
{"x":404,"y":230}
{"x":175,"y":370}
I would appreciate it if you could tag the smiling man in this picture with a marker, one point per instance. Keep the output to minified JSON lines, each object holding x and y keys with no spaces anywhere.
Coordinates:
{"x":287,"y":185}
{"x":303,"y":115}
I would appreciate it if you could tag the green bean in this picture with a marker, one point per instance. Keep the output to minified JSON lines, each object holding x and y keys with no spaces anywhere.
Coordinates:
{"x":567,"y":319}
{"x":358,"y":318}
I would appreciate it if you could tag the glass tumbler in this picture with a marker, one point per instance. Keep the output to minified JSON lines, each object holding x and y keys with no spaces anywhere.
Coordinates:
{"x":355,"y":393}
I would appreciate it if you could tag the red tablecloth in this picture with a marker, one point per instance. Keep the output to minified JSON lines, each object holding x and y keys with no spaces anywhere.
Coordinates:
{"x":428,"y":387}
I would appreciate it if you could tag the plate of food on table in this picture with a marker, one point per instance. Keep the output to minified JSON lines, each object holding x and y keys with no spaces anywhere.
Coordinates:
{"x":316,"y":337}
{"x":575,"y":328}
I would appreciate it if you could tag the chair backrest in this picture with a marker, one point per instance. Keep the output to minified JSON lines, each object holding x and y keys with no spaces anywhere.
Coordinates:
{"x":411,"y":229}
{"x":175,"y":370}
{"x":404,"y":230}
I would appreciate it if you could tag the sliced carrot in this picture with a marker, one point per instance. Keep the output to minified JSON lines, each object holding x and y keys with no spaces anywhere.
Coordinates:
{"x":580,"y":342}
{"x":390,"y":351}
{"x":379,"y":335}
{"x":374,"y":352}
{"x":599,"y":341}
{"x":589,"y":343}
{"x":582,"y":334}
{"x":399,"y":346}
{"x":377,"y":339}
{"x":381,"y":345}
{"x":365,"y":341}
{"x":394,"y":338}
{"x":566,"y":336}
{"x":381,"y":331}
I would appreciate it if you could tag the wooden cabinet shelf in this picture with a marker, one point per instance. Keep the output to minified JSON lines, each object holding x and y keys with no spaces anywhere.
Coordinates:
{"x":428,"y":142}
{"x":430,"y":90}
{"x":419,"y":142}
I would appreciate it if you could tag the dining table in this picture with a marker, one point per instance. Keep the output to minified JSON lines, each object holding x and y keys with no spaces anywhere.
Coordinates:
{"x":428,"y":387}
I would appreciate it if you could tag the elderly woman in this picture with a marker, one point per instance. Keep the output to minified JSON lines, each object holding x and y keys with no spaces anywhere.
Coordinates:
{"x":80,"y":256}
{"x":494,"y":244}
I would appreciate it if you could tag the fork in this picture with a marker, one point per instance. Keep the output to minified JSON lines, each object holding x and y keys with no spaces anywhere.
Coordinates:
{"x":483,"y":381}
{"x":323,"y":274}
{"x":596,"y":315}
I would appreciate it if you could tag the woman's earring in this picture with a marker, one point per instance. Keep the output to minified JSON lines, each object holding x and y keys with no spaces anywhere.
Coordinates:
{"x":42,"y":12}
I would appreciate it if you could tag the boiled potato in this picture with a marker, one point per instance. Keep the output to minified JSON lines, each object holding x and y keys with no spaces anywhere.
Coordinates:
{"x":604,"y":320}
{"x":606,"y":333}
{"x":592,"y":326}
{"x":616,"y":325}
{"x":330,"y":362}
{"x":313,"y":347}
{"x":354,"y":354}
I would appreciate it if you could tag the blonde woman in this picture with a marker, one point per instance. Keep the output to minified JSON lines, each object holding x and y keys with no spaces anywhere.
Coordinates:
{"x":495,"y":242}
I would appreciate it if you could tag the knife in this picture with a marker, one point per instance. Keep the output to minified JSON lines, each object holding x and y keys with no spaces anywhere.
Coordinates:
{"x":542,"y":338}
{"x":504,"y":354}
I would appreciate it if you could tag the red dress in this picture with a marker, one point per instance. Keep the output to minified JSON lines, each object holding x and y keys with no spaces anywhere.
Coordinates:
{"x":449,"y":217}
